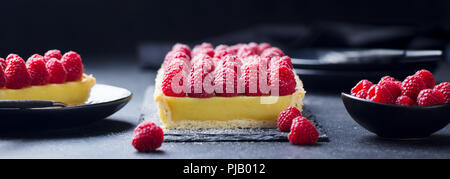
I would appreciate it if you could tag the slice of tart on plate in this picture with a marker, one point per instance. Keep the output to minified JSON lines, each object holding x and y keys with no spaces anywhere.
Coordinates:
{"x":239,"y":86}
{"x":52,"y":77}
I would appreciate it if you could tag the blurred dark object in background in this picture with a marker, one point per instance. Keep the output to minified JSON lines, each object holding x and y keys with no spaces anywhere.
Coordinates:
{"x":117,"y":27}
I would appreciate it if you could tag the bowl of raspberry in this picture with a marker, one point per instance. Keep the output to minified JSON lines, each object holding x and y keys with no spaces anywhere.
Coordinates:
{"x":411,"y":109}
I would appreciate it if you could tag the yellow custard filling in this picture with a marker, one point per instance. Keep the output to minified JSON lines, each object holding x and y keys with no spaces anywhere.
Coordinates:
{"x":223,"y":112}
{"x":70,"y":93}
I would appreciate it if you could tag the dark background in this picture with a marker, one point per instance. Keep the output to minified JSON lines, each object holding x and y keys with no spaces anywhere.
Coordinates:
{"x":118,"y":27}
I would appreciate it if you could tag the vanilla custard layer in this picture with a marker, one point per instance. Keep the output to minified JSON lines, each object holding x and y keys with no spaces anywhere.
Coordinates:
{"x":223,"y":112}
{"x":69,"y":93}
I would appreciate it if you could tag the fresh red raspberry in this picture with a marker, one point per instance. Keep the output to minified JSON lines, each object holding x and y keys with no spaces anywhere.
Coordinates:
{"x":404,"y":101}
{"x":430,"y":97}
{"x":282,"y":61}
{"x":73,"y":65}
{"x":253,"y":46}
{"x":16,"y":74}
{"x":225,"y":82}
{"x":285,"y":79}
{"x":204,"y":48}
{"x":52,"y":54}
{"x":362,"y":94}
{"x":427,"y":77}
{"x":303,"y":132}
{"x":3,"y":63}
{"x":272,"y":52}
{"x":201,"y":79}
{"x":147,"y":137}
{"x":203,"y":61}
{"x":380,"y":94}
{"x":444,"y":88}
{"x":412,"y":86}
{"x":182,"y":48}
{"x":11,"y":56}
{"x":262,"y":47}
{"x":175,"y":55}
{"x":362,"y":85}
{"x":172,"y":75}
{"x":252,"y":78}
{"x":38,"y":70}
{"x":395,"y":87}
{"x":2,"y":77}
{"x":245,"y":51}
{"x":221,"y":47}
{"x":56,"y":71}
{"x":221,"y":53}
{"x":386,"y":78}
{"x":285,"y":118}
{"x":234,"y":49}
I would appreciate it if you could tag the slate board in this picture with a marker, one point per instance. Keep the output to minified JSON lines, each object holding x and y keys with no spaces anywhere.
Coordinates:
{"x":149,"y":113}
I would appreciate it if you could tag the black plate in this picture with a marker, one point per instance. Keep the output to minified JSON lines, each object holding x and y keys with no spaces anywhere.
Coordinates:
{"x":398,"y":122}
{"x":104,"y":101}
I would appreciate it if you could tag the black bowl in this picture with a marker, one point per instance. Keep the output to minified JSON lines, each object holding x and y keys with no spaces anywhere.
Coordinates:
{"x":398,"y":122}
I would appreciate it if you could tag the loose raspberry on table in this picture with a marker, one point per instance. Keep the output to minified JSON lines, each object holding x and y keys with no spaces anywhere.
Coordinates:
{"x":380,"y":94}
{"x":362,"y":85}
{"x":147,"y":137}
{"x":38,"y":70}
{"x":444,"y":88}
{"x":405,"y":101}
{"x":73,"y":66}
{"x":284,"y":77}
{"x":430,"y":97}
{"x":285,"y":118}
{"x":52,"y":54}
{"x":56,"y":71}
{"x":427,"y":78}
{"x":16,"y":74}
{"x":303,"y":132}
{"x":412,"y":86}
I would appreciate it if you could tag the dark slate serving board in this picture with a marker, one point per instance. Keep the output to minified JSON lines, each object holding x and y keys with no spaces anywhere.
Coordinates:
{"x":149,"y":113}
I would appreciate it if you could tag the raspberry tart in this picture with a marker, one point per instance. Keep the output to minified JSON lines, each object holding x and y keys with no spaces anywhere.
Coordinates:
{"x":238,"y":86}
{"x":52,"y":77}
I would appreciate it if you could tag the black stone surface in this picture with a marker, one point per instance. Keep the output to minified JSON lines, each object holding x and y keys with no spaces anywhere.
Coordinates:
{"x":111,"y":138}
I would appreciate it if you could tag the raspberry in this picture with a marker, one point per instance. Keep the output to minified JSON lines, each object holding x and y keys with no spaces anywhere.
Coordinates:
{"x":380,"y":94}
{"x":231,"y":61}
{"x":73,"y":65}
{"x":226,"y":82}
{"x":147,"y":137}
{"x":405,"y":101}
{"x":362,"y":94}
{"x":234,"y":49}
{"x":253,"y":47}
{"x":363,"y":84}
{"x":262,"y":47}
{"x":52,"y":54}
{"x":16,"y":74}
{"x":444,"y":88}
{"x":221,"y":53}
{"x":303,"y":132}
{"x":285,"y":118}
{"x":285,"y":79}
{"x":282,"y":61}
{"x":412,"y":86}
{"x":182,"y":48}
{"x":11,"y":56}
{"x":427,"y":77}
{"x":2,"y":77}
{"x":205,"y":61}
{"x":3,"y":63}
{"x":395,"y":87}
{"x":272,"y":52}
{"x":386,"y":78}
{"x":201,"y":79}
{"x":245,"y":51}
{"x":176,"y":55}
{"x":221,"y":47}
{"x":430,"y":97}
{"x":56,"y":71}
{"x":38,"y":70}
{"x":173,"y":75}
{"x":204,"y":48}
{"x":252,"y":79}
